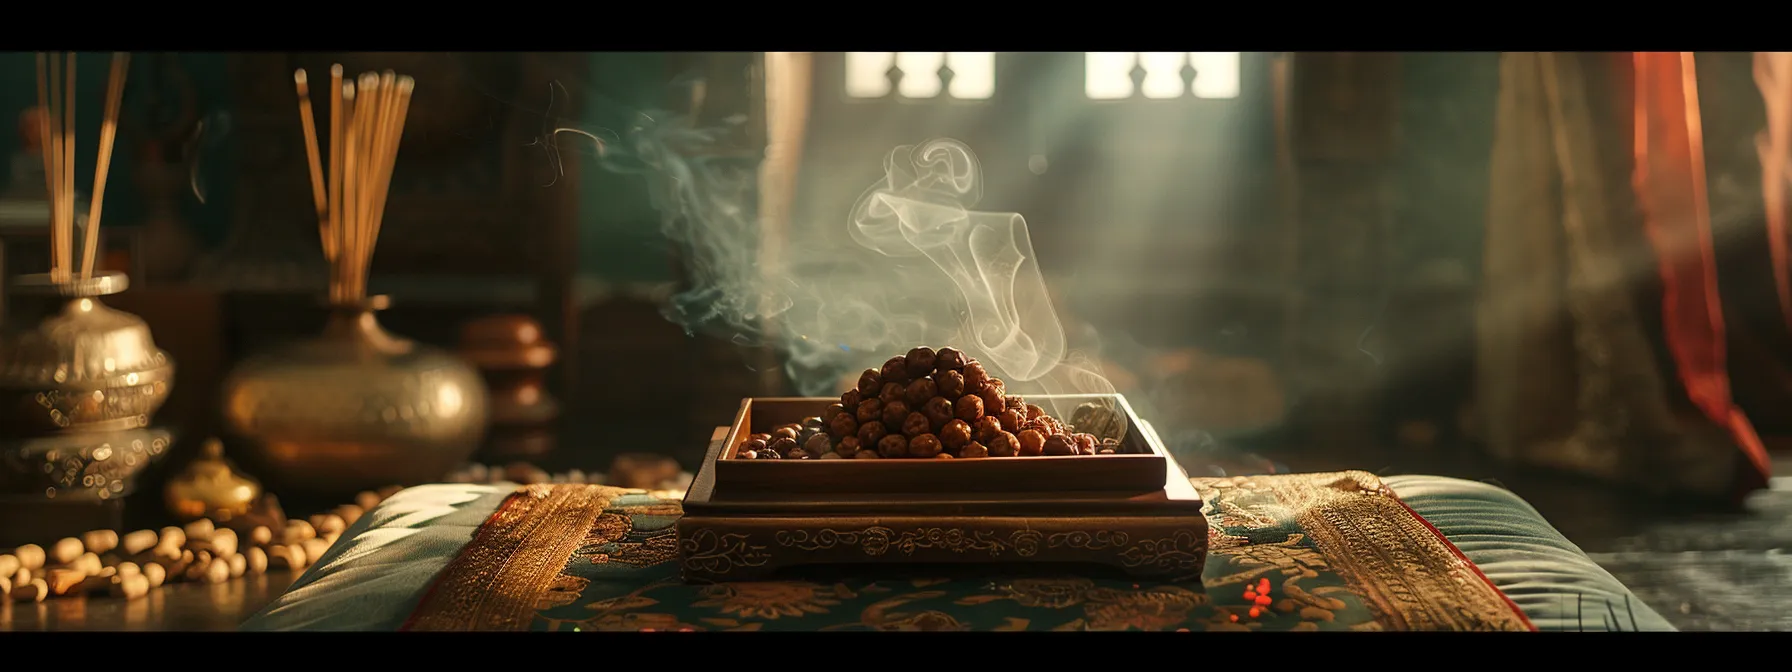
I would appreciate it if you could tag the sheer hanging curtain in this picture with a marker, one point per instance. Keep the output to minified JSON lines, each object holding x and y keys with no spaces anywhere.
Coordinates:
{"x":1773,"y":74}
{"x":789,"y":86}
{"x":1600,"y":347}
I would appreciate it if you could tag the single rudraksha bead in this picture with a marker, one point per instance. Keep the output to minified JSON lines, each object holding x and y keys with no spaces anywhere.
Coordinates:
{"x":870,"y":410}
{"x":1032,"y":442}
{"x":920,"y":362}
{"x":987,"y":428}
{"x":938,"y":411}
{"x":895,"y":412}
{"x":895,"y":370}
{"x":949,"y":384}
{"x":892,"y":392}
{"x":916,"y":424}
{"x":969,"y":408}
{"x":949,"y":359}
{"x":1004,"y":445}
{"x":782,"y":445}
{"x":871,"y":432}
{"x":843,"y":424}
{"x":955,"y":434}
{"x":893,"y":446}
{"x":975,"y":378}
{"x":848,"y":446}
{"x":869,"y":383}
{"x":1012,"y":420}
{"x":924,"y":446}
{"x":919,"y":391}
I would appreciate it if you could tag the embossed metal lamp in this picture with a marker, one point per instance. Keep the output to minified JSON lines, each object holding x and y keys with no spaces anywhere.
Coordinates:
{"x":79,"y":381}
{"x":356,"y":408}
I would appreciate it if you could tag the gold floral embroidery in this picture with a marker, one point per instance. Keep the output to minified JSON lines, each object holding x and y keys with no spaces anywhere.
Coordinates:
{"x":609,"y":528}
{"x":769,"y":600}
{"x":563,"y":591}
{"x":1307,"y":552}
{"x":656,"y":549}
{"x":634,"y":622}
{"x":883,"y":615}
{"x":1048,"y":593}
{"x":1152,"y":609}
{"x":1155,"y":608}
{"x":1405,"y":573}
{"x":1289,"y":557}
{"x":497,"y":581}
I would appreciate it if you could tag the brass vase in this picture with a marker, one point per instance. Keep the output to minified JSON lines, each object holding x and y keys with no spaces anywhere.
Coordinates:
{"x":354,"y":409}
{"x":79,"y":383}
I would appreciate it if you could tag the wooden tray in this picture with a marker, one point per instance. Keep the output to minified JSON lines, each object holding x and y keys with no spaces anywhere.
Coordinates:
{"x":1141,"y":467}
{"x":748,"y":519}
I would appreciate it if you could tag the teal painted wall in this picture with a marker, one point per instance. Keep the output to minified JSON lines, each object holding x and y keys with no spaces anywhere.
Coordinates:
{"x":619,"y":234}
{"x":123,"y":205}
{"x":1447,"y":125}
{"x":1446,"y":145}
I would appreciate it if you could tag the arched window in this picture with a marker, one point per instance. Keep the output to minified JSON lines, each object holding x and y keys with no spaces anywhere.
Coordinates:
{"x":1117,"y":75}
{"x":965,"y":75}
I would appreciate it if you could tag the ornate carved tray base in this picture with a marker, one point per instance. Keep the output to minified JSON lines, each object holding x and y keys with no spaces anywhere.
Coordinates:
{"x":750,"y":533}
{"x":753,"y":548}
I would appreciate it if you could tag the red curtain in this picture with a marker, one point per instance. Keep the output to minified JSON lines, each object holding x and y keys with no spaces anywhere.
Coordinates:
{"x":1670,"y":184}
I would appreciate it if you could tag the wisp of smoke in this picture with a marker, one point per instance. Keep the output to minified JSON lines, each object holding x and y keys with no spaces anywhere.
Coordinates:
{"x":703,"y":196}
{"x":926,"y":269}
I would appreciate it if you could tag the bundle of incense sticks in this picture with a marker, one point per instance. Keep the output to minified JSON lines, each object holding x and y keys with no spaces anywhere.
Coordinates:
{"x":366,"y":123}
{"x":56,"y":134}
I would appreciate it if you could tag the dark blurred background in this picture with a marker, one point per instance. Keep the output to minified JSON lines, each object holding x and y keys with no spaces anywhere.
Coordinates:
{"x":1221,"y":294}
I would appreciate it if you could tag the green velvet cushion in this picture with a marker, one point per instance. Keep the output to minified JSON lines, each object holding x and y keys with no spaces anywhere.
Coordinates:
{"x":1556,"y":585}
{"x":379,"y":571}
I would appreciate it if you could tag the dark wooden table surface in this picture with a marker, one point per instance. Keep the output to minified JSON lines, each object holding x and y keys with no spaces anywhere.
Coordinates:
{"x":174,"y":607}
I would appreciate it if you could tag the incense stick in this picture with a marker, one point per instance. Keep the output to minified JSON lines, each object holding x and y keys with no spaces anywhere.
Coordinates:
{"x":334,"y":222}
{"x":367,"y":117}
{"x":406,"y":86}
{"x":54,"y":112}
{"x":66,"y":240}
{"x":351,"y":182}
{"x":46,"y":144}
{"x":369,"y":100}
{"x":56,"y":89}
{"x":108,"y":134}
{"x":319,"y":193}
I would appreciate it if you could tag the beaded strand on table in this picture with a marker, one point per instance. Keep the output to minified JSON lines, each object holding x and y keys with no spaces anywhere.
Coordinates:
{"x":130,"y":565}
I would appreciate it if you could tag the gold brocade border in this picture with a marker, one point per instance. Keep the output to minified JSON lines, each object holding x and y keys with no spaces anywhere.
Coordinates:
{"x":512,"y":560}
{"x":1406,"y":572}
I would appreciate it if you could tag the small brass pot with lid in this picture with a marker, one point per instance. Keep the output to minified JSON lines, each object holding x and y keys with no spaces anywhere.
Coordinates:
{"x":211,"y":487}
